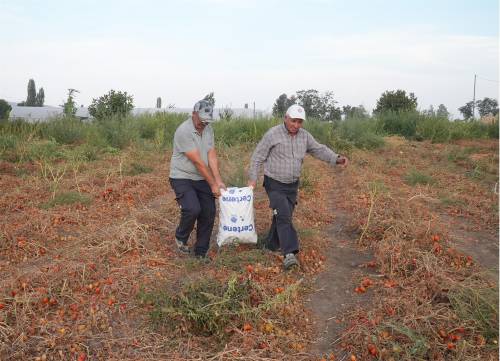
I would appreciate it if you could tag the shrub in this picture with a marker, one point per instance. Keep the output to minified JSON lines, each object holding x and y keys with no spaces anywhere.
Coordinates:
{"x":67,"y":198}
{"x":19,"y":128}
{"x":137,"y":168}
{"x":84,"y":153}
{"x":396,"y":101}
{"x":235,"y":258}
{"x":415,"y":177}
{"x":434,"y":129}
{"x":43,"y":150}
{"x":205,"y":307}
{"x":7,"y":142}
{"x":399,"y":123}
{"x":493,"y":129}
{"x":113,"y":104}
{"x":64,"y":130}
{"x":241,"y":131}
{"x":118,"y":132}
{"x":362,"y":133}
{"x":5,"y":109}
{"x":209,"y":307}
{"x":479,"y":305}
{"x":328,"y":134}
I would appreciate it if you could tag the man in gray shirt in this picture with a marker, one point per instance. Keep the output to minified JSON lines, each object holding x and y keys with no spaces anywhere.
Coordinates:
{"x":282,"y":150}
{"x":195,"y":178}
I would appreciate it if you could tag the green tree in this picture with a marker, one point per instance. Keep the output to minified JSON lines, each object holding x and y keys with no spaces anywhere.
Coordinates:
{"x":210,"y":97}
{"x":5,"y":109}
{"x":115,"y":103}
{"x":327,"y":109}
{"x":281,"y":104}
{"x":487,"y":106}
{"x":69,"y":107}
{"x":309,"y":99}
{"x":40,"y":98}
{"x":442,"y":111}
{"x":396,"y":101}
{"x":320,"y":106}
{"x":466,"y":110}
{"x":31,"y":99}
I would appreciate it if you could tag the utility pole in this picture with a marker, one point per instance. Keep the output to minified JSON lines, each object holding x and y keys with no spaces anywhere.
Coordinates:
{"x":474,"y":99}
{"x":254,"y":110}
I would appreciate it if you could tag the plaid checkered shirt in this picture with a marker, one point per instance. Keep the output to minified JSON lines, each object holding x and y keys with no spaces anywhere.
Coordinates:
{"x":283,"y":154}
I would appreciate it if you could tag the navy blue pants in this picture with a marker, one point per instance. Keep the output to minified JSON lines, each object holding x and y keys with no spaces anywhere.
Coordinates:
{"x":197,"y":204}
{"x":282,"y":200}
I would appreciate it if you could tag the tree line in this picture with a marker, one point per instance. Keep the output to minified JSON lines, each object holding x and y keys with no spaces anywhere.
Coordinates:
{"x":323,"y":106}
{"x":317,"y":105}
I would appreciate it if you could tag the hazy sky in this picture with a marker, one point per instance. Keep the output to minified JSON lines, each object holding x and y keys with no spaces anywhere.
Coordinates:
{"x":250,"y":50}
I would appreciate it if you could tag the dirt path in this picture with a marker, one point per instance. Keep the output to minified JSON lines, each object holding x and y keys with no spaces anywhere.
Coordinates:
{"x":482,"y":246}
{"x":334,"y":294}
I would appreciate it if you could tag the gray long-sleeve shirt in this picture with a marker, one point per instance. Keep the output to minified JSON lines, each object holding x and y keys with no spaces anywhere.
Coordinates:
{"x":282,"y":154}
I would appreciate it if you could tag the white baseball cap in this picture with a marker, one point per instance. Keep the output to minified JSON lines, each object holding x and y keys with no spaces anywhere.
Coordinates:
{"x":296,"y":111}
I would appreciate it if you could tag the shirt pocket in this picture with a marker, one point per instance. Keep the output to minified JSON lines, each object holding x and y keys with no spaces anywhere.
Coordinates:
{"x":300,"y":149}
{"x":282,"y":150}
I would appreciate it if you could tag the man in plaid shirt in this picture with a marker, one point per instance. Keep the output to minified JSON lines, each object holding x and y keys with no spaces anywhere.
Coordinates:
{"x":282,"y":150}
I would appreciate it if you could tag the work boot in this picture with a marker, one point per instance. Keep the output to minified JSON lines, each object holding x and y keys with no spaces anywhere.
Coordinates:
{"x":290,"y":261}
{"x":182,"y":247}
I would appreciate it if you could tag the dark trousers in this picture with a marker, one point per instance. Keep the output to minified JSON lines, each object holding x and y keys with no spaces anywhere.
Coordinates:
{"x":197,"y":204}
{"x":282,"y":200}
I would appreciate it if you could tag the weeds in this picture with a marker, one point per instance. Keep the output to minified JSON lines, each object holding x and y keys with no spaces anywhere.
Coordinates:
{"x":306,"y":180}
{"x":415,"y":177}
{"x":67,"y":198}
{"x":478,"y":306}
{"x":138,"y":168}
{"x":52,"y":174}
{"x":205,"y":307}
{"x":64,"y":130}
{"x":209,"y":307}
{"x":375,"y":188}
{"x":233,"y":257}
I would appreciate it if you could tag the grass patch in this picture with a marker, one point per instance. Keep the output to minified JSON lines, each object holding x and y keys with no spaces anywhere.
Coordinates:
{"x":67,"y":198}
{"x":307,"y":232}
{"x":452,"y":202}
{"x":479,"y":306}
{"x":84,"y":153}
{"x":415,"y":177}
{"x":137,"y":168}
{"x":306,"y":182}
{"x":362,"y":133}
{"x":210,"y":307}
{"x":416,"y":346}
{"x":234,"y":258}
{"x":477,"y":172}
{"x":460,"y":154}
{"x":64,"y":130}
{"x":43,"y":150}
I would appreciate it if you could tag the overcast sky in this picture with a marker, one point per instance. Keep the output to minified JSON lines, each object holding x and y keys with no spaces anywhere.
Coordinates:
{"x":250,"y":50}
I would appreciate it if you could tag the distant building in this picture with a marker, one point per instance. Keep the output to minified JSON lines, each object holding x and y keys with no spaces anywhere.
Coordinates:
{"x":40,"y":114}
{"x":489,"y":119}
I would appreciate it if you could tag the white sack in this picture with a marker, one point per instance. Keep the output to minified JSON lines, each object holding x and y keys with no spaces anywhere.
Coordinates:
{"x":236,"y":216}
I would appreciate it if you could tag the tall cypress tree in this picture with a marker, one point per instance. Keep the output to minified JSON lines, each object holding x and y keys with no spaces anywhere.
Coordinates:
{"x":31,"y":99}
{"x":40,"y":98}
